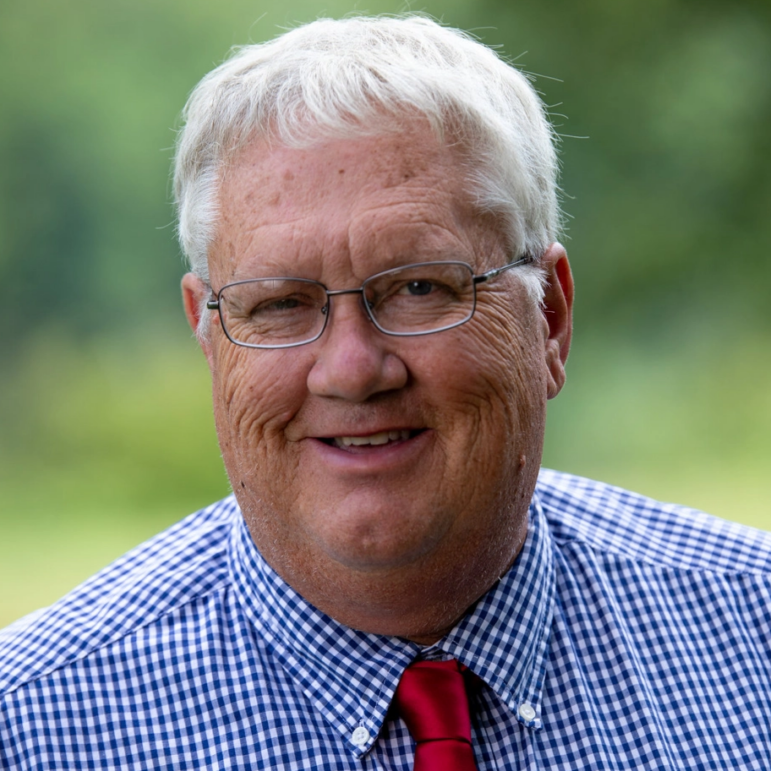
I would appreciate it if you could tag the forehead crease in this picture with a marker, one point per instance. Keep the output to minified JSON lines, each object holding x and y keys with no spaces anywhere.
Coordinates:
{"x":424,"y":232}
{"x":357,"y":199}
{"x":429,"y":216}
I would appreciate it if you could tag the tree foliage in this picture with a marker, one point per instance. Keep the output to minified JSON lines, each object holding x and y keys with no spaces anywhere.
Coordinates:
{"x":667,"y":169}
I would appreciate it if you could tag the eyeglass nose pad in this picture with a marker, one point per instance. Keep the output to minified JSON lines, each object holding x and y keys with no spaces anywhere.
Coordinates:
{"x":368,"y":306}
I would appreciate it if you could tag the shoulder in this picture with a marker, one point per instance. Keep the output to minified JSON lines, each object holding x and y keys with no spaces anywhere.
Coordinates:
{"x":176,"y":567}
{"x":617,"y":522}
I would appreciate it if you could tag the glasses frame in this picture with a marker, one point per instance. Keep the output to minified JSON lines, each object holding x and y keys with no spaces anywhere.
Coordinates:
{"x":215,"y":304}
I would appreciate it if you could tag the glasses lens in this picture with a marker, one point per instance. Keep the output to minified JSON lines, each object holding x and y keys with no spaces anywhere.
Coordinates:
{"x":273,"y":312}
{"x":421,"y":298}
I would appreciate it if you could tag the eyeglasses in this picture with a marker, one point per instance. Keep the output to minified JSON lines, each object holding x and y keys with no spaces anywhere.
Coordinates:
{"x":417,"y":299}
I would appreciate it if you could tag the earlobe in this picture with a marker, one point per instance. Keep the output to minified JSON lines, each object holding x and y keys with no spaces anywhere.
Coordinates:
{"x":558,"y":315}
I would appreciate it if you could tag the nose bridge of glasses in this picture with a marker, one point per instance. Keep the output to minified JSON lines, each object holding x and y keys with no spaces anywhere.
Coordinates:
{"x":335,"y":292}
{"x":360,"y":291}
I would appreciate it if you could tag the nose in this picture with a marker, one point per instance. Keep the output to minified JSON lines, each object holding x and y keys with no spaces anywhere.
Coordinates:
{"x":355,"y":360}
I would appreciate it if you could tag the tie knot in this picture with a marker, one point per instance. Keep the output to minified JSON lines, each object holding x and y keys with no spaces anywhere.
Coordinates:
{"x":431,"y":699}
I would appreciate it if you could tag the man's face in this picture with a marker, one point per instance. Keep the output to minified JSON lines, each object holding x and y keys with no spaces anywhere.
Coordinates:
{"x":446,"y":428}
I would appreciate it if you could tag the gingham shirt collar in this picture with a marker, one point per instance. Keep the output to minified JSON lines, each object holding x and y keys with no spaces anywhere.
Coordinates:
{"x":350,"y":676}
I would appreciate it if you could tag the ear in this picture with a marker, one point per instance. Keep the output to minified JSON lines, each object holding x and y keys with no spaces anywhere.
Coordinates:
{"x":195,"y":293}
{"x":557,"y":311}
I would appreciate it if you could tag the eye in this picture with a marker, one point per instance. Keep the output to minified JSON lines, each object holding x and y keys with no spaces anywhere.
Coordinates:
{"x":282,"y":304}
{"x":278,"y":306}
{"x":285,"y":300}
{"x":418,"y":288}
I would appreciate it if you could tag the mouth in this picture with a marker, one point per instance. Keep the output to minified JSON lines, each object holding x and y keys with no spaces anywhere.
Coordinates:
{"x":378,"y":439}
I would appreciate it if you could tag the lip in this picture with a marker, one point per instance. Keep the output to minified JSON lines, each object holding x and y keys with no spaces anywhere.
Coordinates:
{"x":370,"y":458}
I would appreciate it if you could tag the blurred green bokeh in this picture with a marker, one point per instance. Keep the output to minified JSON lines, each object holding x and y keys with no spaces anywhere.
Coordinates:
{"x":105,"y":424}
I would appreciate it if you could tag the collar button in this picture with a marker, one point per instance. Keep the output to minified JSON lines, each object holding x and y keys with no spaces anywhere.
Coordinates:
{"x":360,"y":736}
{"x":526,"y":712}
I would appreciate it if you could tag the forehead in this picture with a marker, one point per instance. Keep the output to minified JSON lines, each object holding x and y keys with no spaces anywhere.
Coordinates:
{"x":347,"y":205}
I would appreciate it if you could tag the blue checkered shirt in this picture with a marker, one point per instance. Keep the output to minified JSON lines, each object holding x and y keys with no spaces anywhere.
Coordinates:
{"x":627,"y":635}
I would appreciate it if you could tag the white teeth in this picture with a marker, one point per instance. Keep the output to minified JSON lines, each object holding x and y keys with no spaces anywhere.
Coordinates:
{"x":373,"y":439}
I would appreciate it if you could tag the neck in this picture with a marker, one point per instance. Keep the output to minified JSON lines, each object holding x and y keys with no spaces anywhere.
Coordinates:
{"x":421,"y":601}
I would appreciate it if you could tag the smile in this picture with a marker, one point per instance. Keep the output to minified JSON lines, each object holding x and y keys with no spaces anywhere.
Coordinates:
{"x":373,"y":440}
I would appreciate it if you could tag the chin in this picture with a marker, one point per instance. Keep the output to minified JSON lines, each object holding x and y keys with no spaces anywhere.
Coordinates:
{"x":384,"y":543}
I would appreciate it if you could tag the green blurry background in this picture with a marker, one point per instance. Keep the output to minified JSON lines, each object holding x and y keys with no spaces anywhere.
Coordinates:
{"x":105,"y":426}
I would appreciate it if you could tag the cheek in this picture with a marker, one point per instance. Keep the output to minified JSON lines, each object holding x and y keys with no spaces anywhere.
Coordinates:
{"x":495,"y":382}
{"x":256,"y":393}
{"x":495,"y":369}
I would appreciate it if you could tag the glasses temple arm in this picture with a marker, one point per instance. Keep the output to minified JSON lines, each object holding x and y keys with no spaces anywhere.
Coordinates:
{"x":526,"y":259}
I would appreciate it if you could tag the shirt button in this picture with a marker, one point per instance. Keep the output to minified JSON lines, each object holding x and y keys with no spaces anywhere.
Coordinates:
{"x":526,"y":712}
{"x":360,"y":736}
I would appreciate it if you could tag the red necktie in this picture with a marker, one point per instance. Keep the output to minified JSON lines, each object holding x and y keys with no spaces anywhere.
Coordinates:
{"x":431,"y":699}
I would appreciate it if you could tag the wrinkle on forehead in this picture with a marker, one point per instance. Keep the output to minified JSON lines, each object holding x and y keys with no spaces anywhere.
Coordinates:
{"x":296,"y":206}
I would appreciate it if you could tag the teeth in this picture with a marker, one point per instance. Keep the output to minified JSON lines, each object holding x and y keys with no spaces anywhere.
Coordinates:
{"x":374,"y":439}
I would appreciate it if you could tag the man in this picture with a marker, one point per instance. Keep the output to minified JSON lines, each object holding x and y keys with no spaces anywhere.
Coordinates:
{"x":370,"y":214}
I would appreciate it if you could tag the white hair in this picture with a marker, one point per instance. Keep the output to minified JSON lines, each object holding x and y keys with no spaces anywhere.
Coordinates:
{"x":362,"y":76}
